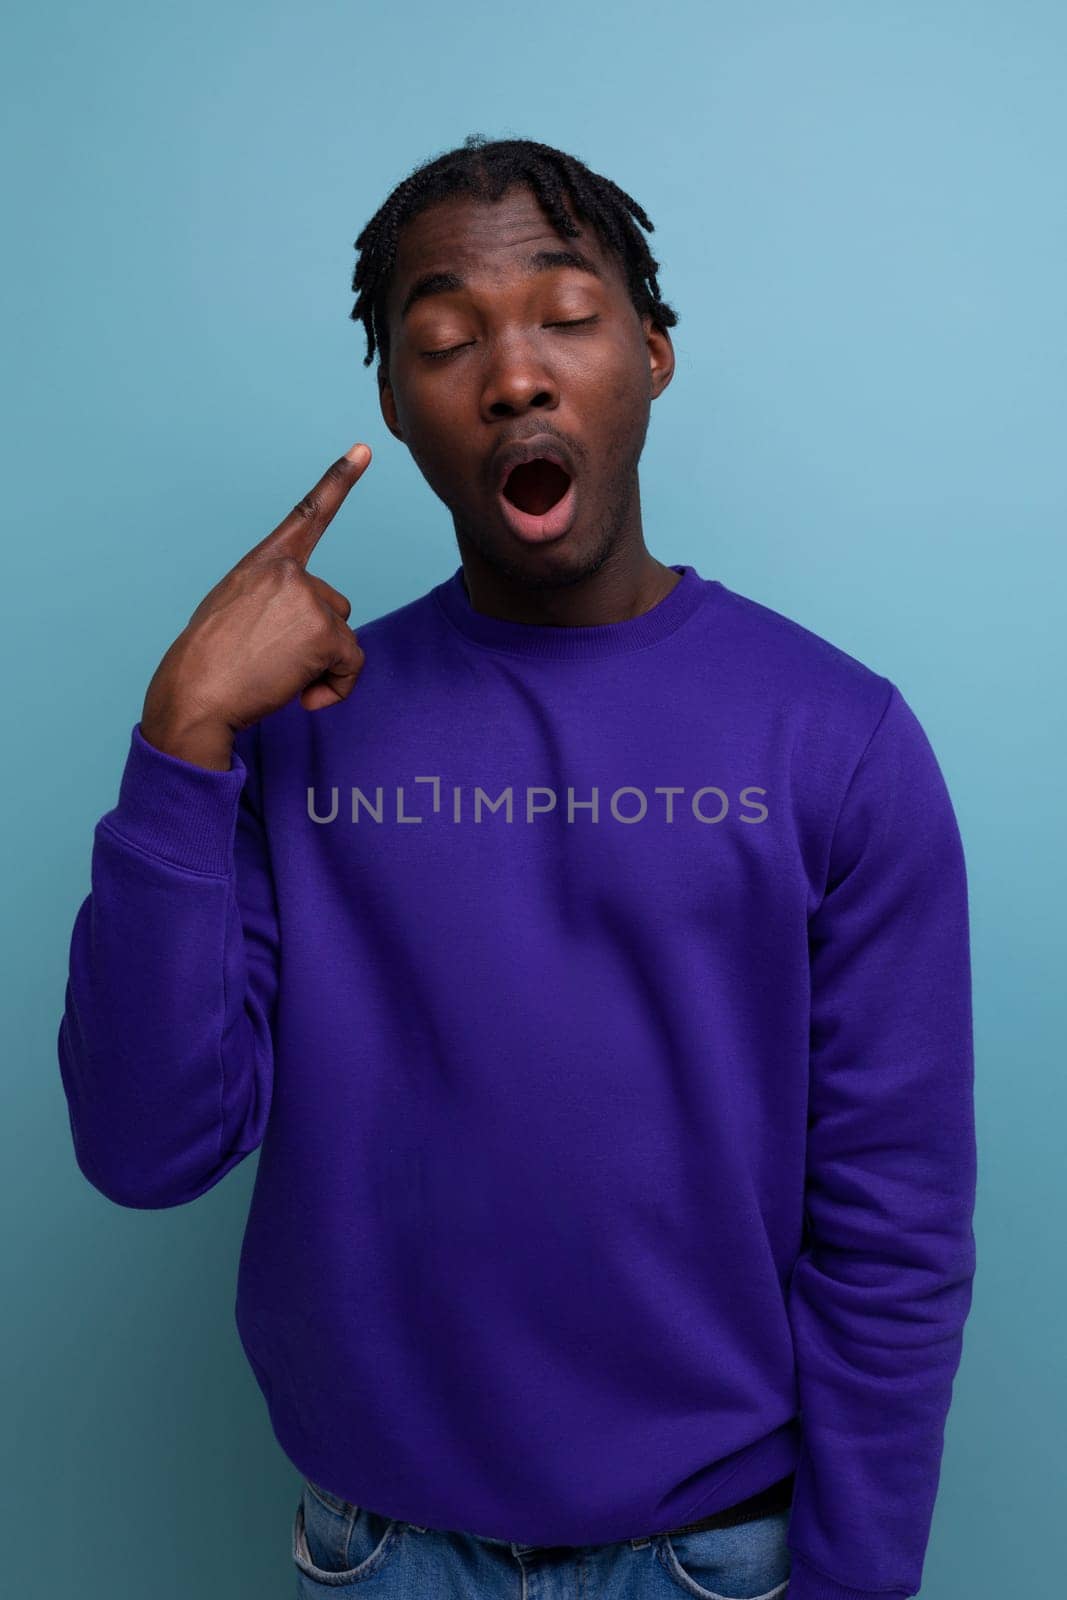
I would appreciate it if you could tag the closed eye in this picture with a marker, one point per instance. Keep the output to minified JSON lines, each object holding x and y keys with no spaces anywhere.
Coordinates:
{"x":579,"y":322}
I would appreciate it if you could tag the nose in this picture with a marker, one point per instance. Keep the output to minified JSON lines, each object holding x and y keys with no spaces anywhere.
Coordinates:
{"x":515,"y":381}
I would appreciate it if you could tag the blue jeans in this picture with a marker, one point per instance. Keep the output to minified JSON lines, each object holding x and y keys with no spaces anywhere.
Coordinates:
{"x":343,"y":1549}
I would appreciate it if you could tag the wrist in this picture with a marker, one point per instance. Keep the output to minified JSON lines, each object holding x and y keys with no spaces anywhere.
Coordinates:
{"x":203,"y":744}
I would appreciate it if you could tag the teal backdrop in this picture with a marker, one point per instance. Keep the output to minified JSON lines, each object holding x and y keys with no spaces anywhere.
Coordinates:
{"x":860,"y":218}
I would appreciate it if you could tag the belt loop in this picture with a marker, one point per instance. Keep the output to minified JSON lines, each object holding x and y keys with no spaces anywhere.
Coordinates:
{"x":639,"y":1544}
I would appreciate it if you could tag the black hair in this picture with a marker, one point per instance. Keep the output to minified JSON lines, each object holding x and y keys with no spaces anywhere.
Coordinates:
{"x":485,"y":169}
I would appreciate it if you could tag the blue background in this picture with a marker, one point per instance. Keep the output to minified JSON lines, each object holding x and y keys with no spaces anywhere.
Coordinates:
{"x":859,"y":216}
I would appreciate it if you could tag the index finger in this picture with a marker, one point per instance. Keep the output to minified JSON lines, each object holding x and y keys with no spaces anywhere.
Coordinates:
{"x":299,"y":532}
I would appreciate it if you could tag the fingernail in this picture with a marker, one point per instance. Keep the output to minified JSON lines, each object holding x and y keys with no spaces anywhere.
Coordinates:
{"x":357,"y":454}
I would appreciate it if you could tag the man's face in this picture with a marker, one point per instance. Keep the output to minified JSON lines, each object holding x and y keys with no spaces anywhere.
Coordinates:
{"x":512,"y":372}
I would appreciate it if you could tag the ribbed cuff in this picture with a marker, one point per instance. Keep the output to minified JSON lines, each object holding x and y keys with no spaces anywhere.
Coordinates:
{"x":176,"y":810}
{"x":807,"y":1583}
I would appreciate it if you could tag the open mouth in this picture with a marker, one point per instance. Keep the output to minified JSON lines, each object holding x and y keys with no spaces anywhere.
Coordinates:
{"x":535,"y":487}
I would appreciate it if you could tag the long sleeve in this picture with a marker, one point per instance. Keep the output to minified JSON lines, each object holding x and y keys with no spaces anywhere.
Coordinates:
{"x":882,"y":1288}
{"x":165,"y":1045}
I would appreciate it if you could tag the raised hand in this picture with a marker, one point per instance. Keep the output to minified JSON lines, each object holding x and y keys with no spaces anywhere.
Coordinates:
{"x":267,"y":631}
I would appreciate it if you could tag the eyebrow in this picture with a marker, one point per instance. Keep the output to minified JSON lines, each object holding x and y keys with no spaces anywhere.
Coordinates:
{"x":541,"y":261}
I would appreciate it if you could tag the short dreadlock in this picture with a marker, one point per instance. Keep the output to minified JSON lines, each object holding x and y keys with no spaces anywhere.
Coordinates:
{"x":485,"y":169}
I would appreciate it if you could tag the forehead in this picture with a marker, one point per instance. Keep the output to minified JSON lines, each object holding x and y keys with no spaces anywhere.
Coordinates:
{"x":463,"y":240}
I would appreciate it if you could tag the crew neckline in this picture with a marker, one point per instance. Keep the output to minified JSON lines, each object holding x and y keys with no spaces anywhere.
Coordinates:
{"x":579,"y":643}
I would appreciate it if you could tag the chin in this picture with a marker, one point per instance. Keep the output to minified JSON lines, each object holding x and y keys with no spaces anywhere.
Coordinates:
{"x":556,"y":565}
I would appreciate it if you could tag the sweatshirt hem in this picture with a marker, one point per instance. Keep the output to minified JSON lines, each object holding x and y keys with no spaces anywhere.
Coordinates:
{"x":761,"y":1464}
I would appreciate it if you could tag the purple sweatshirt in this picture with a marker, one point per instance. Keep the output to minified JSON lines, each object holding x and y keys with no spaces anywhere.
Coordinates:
{"x":599,"y":1001}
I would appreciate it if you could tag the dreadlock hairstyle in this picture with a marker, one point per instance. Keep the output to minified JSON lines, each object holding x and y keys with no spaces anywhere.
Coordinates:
{"x":485,"y":169}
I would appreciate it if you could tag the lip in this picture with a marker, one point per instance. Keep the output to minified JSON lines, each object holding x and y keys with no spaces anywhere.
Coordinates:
{"x":552,"y":524}
{"x":539,"y":447}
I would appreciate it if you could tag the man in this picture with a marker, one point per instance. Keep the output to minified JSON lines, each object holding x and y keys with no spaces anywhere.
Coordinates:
{"x":586,"y":946}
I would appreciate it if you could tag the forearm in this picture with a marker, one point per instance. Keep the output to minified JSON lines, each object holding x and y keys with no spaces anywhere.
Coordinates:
{"x":164,"y":1044}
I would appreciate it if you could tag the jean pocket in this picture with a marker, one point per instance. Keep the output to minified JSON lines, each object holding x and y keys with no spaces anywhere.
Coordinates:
{"x":336,"y":1542}
{"x":749,"y":1561}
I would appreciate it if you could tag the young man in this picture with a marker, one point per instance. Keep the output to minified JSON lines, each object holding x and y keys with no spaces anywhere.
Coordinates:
{"x":586,"y":947}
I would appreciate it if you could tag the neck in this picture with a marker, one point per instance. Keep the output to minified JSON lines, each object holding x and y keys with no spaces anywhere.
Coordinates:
{"x":626,"y":584}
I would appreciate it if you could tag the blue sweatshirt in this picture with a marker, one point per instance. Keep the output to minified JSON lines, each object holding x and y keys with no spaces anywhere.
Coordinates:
{"x":598,"y":999}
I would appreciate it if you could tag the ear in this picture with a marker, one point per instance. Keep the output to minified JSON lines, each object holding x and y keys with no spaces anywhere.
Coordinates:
{"x":660,"y":355}
{"x":388,"y":405}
